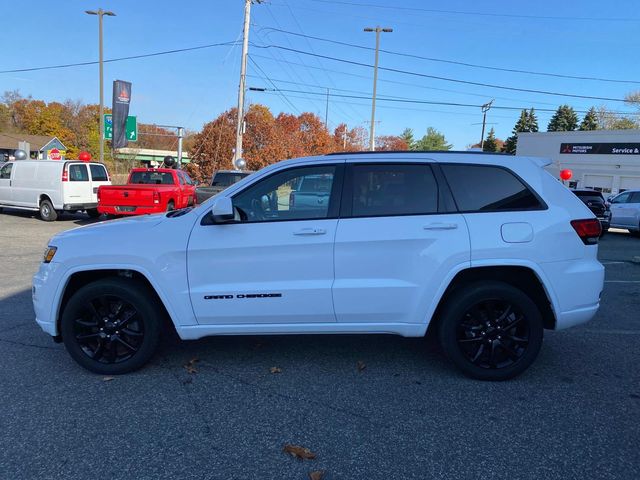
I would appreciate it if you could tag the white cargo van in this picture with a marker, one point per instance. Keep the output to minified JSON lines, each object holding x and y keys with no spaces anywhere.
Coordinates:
{"x":52,"y":187}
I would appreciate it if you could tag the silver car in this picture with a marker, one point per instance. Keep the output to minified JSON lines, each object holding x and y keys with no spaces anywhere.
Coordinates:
{"x":625,"y":211}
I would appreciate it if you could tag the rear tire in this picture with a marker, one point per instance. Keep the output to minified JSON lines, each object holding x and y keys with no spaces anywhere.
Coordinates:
{"x":47,"y":212}
{"x":93,"y":212}
{"x":171,"y":206}
{"x":491,"y":330}
{"x":112,"y":326}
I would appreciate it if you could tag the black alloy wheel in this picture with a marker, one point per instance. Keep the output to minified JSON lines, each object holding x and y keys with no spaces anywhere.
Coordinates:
{"x":112,"y":326}
{"x":491,"y":330}
{"x":109,"y":329}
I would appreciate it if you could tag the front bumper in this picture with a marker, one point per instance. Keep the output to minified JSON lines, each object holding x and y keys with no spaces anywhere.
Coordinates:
{"x":46,"y":283}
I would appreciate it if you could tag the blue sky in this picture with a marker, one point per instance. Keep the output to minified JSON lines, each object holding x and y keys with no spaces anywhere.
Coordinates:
{"x":192,"y":88}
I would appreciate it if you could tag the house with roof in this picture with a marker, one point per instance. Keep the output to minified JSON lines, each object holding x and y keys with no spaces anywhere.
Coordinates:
{"x":39,"y":146}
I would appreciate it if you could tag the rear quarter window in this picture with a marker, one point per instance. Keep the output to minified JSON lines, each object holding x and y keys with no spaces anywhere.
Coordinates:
{"x":484,"y":188}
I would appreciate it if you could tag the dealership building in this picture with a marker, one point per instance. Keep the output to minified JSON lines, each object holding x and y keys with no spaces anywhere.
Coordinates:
{"x":605,"y":160}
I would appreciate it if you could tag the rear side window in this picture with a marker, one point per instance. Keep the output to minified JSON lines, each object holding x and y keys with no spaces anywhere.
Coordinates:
{"x":394,"y":189}
{"x":98,"y":173}
{"x":78,"y":173}
{"x":635,"y":197}
{"x":483,"y":188}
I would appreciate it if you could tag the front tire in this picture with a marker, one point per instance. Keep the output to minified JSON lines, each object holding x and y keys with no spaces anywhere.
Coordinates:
{"x":491,"y":330}
{"x":47,"y":212}
{"x":112,"y":326}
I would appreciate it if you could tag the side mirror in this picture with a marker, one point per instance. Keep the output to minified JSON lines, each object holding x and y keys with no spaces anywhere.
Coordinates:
{"x":222,"y":212}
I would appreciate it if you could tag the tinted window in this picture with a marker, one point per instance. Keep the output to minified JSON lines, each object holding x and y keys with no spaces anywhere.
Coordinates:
{"x":78,"y":173}
{"x":587,"y":196}
{"x":5,"y":172}
{"x":98,"y":173}
{"x":278,"y":197}
{"x":225,"y":179}
{"x":622,"y":198}
{"x":480,"y":188}
{"x":181,"y":178}
{"x":394,"y":189}
{"x":151,"y":178}
{"x":187,"y":178}
{"x":635,"y":197}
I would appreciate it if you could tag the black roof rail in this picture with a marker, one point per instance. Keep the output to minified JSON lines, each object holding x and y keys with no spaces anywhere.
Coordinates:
{"x":366,"y":152}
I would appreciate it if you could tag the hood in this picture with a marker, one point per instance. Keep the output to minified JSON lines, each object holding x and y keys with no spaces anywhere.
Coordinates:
{"x":124,"y":226}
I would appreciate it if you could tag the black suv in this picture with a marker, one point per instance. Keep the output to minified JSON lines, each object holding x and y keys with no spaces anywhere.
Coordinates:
{"x":597,"y":204}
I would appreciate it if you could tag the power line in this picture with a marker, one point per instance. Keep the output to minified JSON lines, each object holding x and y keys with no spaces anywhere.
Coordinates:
{"x":119,"y":59}
{"x":446,"y":79}
{"x":432,"y":102}
{"x":483,"y":14}
{"x":276,"y":89}
{"x":454,"y":62}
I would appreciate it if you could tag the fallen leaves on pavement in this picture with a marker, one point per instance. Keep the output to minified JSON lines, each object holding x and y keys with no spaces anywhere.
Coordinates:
{"x":299,"y":452}
{"x":317,"y":475}
{"x":275,"y":370}
{"x":360,"y":365}
{"x":190,"y":366}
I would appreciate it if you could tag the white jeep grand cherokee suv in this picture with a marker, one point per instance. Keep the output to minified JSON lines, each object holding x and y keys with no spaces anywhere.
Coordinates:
{"x":486,"y":250}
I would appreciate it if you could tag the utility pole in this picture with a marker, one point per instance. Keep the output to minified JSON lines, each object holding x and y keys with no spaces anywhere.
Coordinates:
{"x":243,"y":78}
{"x":372,"y":132}
{"x":101,"y":13}
{"x":485,"y":108}
{"x":180,"y":137}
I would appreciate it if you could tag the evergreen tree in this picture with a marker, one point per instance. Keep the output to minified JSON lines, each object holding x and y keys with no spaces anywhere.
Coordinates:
{"x":433,"y":140}
{"x":522,"y":125}
{"x":590,"y":120}
{"x":490,"y":144}
{"x":532,"y":123}
{"x":407,"y":136}
{"x":564,"y":120}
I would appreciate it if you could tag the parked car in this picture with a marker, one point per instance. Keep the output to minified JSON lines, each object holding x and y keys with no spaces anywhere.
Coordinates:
{"x":625,"y":211}
{"x":148,"y":190}
{"x":311,"y":191}
{"x":52,"y":186}
{"x":221,"y":180}
{"x":598,"y":205}
{"x":485,"y":250}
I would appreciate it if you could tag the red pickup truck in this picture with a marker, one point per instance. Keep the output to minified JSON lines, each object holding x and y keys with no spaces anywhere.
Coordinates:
{"x":148,"y":190}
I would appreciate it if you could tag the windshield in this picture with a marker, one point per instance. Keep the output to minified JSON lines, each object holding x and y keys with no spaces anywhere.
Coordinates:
{"x":226,"y":179}
{"x":151,"y":178}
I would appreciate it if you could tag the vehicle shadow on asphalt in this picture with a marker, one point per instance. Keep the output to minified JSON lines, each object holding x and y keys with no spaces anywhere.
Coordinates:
{"x":76,"y":217}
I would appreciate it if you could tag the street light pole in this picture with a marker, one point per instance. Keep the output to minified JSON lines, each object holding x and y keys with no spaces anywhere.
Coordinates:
{"x":485,"y":108}
{"x":372,"y":131}
{"x":101,"y":13}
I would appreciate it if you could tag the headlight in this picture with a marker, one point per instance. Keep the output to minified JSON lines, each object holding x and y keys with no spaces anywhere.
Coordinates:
{"x":49,"y":253}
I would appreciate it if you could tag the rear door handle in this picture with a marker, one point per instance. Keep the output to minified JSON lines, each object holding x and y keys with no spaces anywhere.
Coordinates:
{"x":310,"y":231}
{"x":441,"y":226}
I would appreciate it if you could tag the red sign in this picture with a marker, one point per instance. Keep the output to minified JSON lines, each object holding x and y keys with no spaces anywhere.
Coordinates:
{"x":54,"y":154}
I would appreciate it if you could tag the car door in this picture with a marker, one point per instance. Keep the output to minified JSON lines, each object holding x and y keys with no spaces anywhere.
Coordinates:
{"x":274,"y":264}
{"x":5,"y":183}
{"x":77,"y":190}
{"x":99,"y":177}
{"x":397,"y":241}
{"x":633,"y":205}
{"x":620,"y":212}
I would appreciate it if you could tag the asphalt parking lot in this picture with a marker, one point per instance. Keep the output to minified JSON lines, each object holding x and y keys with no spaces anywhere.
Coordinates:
{"x":406,"y":415}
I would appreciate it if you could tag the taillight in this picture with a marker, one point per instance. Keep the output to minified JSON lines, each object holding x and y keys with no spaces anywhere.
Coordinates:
{"x":156,"y":197}
{"x":65,"y":175}
{"x":588,"y":230}
{"x":292,"y":200}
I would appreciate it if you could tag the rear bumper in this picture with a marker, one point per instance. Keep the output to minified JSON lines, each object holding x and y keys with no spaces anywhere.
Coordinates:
{"x":79,"y":206}
{"x":126,"y":210}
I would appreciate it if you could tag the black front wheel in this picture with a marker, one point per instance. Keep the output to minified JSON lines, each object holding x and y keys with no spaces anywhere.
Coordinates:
{"x":112,"y":326}
{"x":491,"y":330}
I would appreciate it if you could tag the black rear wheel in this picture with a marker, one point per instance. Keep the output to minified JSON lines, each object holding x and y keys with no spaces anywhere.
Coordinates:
{"x":171,"y":206}
{"x":112,"y":326}
{"x":491,"y":330}
{"x":93,"y":212}
{"x":47,"y":212}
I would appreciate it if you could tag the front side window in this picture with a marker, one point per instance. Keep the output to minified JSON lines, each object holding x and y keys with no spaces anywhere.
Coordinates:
{"x":78,"y":173}
{"x":187,"y":178}
{"x":635,"y":197}
{"x":98,"y":173}
{"x":181,"y":178}
{"x":484,"y":188}
{"x":622,"y":198}
{"x":394,"y":189}
{"x":5,"y":172}
{"x":294,"y":194}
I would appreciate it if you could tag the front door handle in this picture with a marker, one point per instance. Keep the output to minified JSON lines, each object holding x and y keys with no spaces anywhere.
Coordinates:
{"x":441,"y":226}
{"x":310,"y":231}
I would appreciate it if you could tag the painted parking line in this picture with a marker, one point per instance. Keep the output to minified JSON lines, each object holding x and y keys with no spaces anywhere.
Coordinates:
{"x":622,"y":281}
